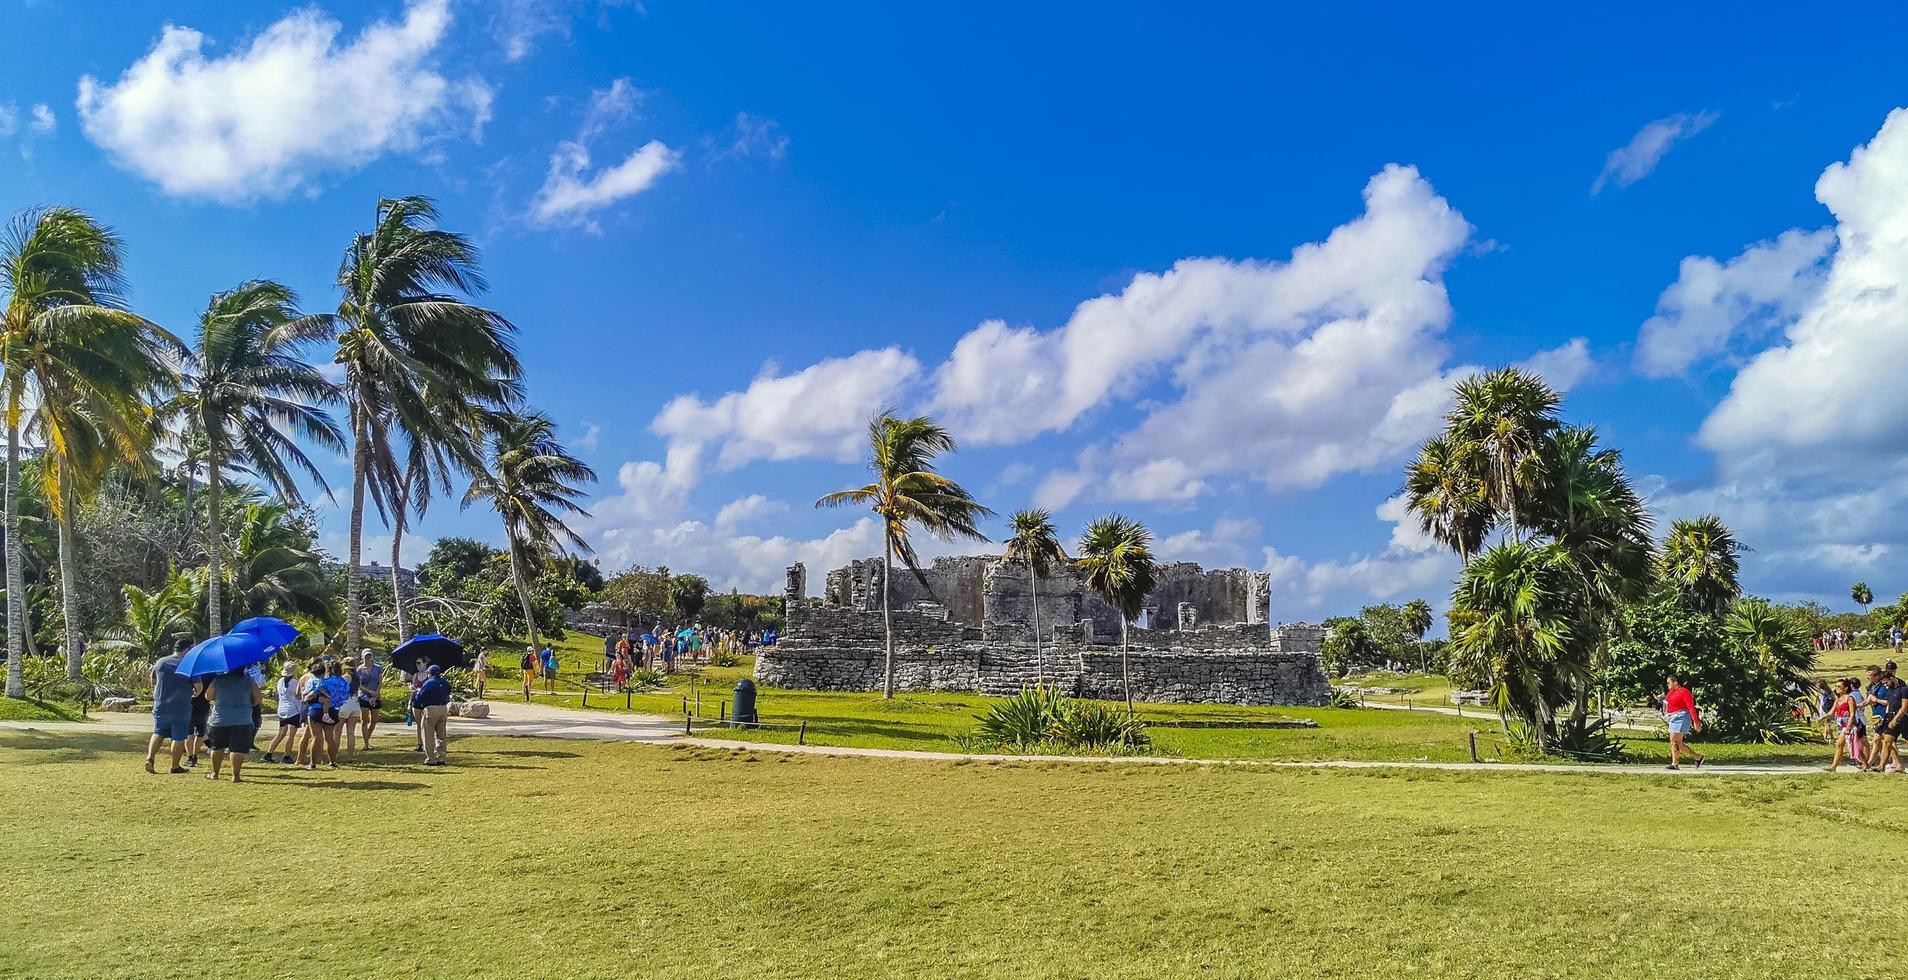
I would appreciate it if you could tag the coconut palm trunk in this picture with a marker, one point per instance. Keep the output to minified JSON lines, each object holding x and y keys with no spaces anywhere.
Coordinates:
{"x":523,"y":590}
{"x":397,"y":586}
{"x":887,"y":621}
{"x":16,"y":567}
{"x":214,"y":544}
{"x":69,"y":575}
{"x":354,"y":614}
{"x":1126,"y":670}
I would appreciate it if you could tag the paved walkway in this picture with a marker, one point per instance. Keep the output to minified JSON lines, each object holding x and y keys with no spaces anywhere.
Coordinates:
{"x":518,"y":719}
{"x":1491,"y":716}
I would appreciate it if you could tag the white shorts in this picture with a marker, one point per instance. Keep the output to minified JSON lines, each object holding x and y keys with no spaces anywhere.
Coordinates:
{"x":351,"y":709}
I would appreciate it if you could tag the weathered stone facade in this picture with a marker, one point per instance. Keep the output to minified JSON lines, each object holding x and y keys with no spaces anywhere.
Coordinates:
{"x":1206,"y":636}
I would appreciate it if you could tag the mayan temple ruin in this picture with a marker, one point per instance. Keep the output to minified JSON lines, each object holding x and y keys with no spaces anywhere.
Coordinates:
{"x":1203,"y":637}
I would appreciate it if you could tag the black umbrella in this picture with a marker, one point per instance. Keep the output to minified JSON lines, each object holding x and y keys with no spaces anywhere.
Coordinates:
{"x":432,"y":649}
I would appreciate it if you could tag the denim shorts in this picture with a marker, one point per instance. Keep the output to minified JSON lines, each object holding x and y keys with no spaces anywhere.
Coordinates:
{"x":176,"y":726}
{"x":1680,"y":723}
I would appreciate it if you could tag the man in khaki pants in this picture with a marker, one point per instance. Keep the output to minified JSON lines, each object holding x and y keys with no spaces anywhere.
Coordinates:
{"x":431,"y":705}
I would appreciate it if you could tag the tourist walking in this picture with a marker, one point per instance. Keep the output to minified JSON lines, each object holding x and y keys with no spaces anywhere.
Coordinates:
{"x":530,"y":669}
{"x":321,"y":719}
{"x":548,"y":656}
{"x":370,"y":676}
{"x":350,"y":710}
{"x":1679,"y":709}
{"x":291,"y":713}
{"x":201,"y":720}
{"x":1846,"y":716}
{"x":171,"y":708}
{"x":233,"y":695}
{"x":480,"y":671}
{"x":1894,"y":722}
{"x":431,"y":702}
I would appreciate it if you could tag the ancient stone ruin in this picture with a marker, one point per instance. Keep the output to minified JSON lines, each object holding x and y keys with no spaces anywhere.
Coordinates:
{"x":1204,"y":636}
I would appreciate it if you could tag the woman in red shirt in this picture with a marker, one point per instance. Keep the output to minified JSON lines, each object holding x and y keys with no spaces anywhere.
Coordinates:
{"x":1679,"y":709}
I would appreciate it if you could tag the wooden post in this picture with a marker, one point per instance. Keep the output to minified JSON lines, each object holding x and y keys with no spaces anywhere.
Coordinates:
{"x":686,"y":719}
{"x":801,"y":737}
{"x":627,"y":695}
{"x":1474,"y":747}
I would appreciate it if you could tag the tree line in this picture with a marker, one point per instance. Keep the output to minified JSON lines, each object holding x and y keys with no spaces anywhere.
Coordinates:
{"x":109,"y":404}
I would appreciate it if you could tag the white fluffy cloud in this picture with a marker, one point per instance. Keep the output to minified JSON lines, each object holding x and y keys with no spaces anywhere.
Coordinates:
{"x":571,"y":194}
{"x":1634,"y":160}
{"x":1829,"y":395}
{"x":820,"y":411}
{"x":43,"y":122}
{"x":1303,"y":590}
{"x":1712,"y":303}
{"x":746,"y":510}
{"x":291,"y":104}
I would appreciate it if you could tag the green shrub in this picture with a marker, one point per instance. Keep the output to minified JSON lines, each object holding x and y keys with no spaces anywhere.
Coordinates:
{"x":1023,"y":720}
{"x":1342,"y":698}
{"x":724,"y":658}
{"x":1042,"y":720}
{"x":1098,"y":725}
{"x":646,"y":679}
{"x":1775,"y":722}
{"x":1587,"y":739}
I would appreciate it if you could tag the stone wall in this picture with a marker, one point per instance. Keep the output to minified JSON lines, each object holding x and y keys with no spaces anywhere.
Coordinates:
{"x":840,"y":647}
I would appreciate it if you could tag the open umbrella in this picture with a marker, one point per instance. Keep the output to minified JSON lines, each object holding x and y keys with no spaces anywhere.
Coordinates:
{"x":431,"y":648}
{"x":649,"y":637}
{"x":222,"y":653}
{"x":271,"y":629}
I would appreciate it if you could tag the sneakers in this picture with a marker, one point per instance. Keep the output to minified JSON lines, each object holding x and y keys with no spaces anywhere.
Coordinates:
{"x":268,"y":757}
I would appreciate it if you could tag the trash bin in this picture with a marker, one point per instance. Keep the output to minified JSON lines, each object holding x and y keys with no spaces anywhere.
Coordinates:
{"x":744,"y":701}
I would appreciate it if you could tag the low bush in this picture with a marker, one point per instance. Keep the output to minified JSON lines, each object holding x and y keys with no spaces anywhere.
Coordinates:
{"x":646,"y":679}
{"x":724,"y":658}
{"x":1341,"y":698}
{"x":1042,"y":720}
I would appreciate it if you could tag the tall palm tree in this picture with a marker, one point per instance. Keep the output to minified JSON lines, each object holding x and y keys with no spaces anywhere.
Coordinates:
{"x":1116,"y":561}
{"x":1416,"y":615}
{"x":1701,"y":560}
{"x":72,"y":349}
{"x":1862,"y":595}
{"x":1777,"y":640}
{"x":531,"y":483}
{"x":908,"y":493}
{"x":1444,"y":487}
{"x":415,"y":354}
{"x":1035,"y":542}
{"x":246,"y":391}
{"x":1520,"y":618}
{"x":1506,"y":415}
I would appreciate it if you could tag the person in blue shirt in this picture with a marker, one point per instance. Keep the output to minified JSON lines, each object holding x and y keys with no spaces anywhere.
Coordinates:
{"x":431,"y":703}
{"x":171,"y":708}
{"x":548,"y":656}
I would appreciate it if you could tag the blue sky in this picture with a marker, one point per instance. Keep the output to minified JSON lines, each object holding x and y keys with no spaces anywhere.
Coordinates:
{"x":1211,"y":266}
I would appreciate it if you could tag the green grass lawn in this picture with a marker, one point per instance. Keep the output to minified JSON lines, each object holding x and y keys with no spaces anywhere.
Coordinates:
{"x":26,"y":709}
{"x":935,"y":721}
{"x":547,"y":858}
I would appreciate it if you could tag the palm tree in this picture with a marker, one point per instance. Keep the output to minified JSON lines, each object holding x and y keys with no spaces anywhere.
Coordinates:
{"x":1519,"y":601}
{"x":907,"y":492}
{"x":1444,"y":487}
{"x":1701,"y":559}
{"x":417,"y":358}
{"x":154,"y":620}
{"x":1034,"y":541}
{"x":531,"y":483}
{"x":1862,"y":595}
{"x":72,"y":349}
{"x":245,"y":392}
{"x":274,"y":569}
{"x":1506,"y":416}
{"x":1116,"y":561}
{"x":1778,"y":641}
{"x":1417,"y":621}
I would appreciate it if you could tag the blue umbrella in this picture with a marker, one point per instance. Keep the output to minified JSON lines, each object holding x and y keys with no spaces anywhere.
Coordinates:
{"x":269,"y":628}
{"x":222,"y":653}
{"x":432,"y":648}
{"x":649,"y":637}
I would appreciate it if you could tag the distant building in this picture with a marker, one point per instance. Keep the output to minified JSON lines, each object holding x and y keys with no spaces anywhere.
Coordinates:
{"x":407,"y":578}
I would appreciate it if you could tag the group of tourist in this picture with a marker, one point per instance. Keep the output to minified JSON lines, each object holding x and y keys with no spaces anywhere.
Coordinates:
{"x":1866,"y":718}
{"x":317,"y":706}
